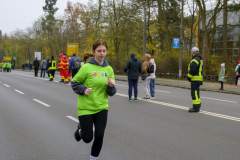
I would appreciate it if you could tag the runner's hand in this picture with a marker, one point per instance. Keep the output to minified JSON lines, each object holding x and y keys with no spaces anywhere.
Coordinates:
{"x":110,"y":82}
{"x":88,"y":91}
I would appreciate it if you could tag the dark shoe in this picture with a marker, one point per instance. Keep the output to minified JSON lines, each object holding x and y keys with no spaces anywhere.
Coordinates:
{"x":62,"y":81}
{"x":146,"y":98}
{"x":50,"y":79}
{"x":220,"y":88}
{"x":65,"y":82}
{"x":194,"y":110}
{"x":130,"y":99}
{"x":135,"y":99}
{"x":77,"y":135}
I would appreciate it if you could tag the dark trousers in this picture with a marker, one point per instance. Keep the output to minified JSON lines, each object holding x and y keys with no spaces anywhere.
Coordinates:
{"x":86,"y":122}
{"x":221,"y":84}
{"x":133,"y":83}
{"x":36,"y":71}
{"x":43,"y":72}
{"x":237,"y":77}
{"x":74,"y":72}
{"x":196,"y":101}
{"x":51,"y":74}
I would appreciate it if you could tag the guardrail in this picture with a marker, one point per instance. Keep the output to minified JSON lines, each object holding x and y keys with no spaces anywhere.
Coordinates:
{"x":206,"y":78}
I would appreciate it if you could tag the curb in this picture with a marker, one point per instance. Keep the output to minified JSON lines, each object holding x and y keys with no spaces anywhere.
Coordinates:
{"x":186,"y":87}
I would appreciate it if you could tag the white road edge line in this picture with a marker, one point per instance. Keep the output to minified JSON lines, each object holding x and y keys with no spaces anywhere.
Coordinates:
{"x":19,"y":91}
{"x":219,"y":100}
{"x":186,"y":108}
{"x":6,"y":85}
{"x":76,"y":120}
{"x":42,"y":103}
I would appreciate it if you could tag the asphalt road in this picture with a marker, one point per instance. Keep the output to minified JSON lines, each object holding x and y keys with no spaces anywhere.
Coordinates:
{"x":38,"y":119}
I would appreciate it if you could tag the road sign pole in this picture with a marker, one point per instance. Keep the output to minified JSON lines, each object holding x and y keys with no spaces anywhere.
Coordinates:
{"x":181,"y":44}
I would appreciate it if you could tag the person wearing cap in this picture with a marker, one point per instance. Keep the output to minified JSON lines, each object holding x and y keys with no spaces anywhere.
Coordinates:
{"x":133,"y":68}
{"x":221,"y":75}
{"x":60,"y":68}
{"x":66,"y":69}
{"x":195,"y":70}
{"x":52,"y":66}
{"x":237,"y":73}
{"x":74,"y":64}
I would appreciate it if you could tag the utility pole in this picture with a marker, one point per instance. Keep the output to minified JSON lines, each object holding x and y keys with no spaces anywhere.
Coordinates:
{"x":62,"y":43}
{"x":181,"y":43}
{"x":16,"y":55}
{"x":144,"y":33}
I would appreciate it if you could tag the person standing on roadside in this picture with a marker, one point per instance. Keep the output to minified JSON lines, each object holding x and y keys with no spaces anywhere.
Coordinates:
{"x":152,"y":81}
{"x":222,"y":75}
{"x":43,"y":67}
{"x":133,"y":68}
{"x":52,"y":66}
{"x":60,"y":68}
{"x":195,"y":71}
{"x":146,"y":76}
{"x":48,"y":61}
{"x":36,"y":66}
{"x":74,"y":64}
{"x":94,"y":83}
{"x":237,"y":70}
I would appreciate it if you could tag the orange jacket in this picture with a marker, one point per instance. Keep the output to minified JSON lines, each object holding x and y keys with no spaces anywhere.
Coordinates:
{"x":65,"y":63}
{"x":60,"y":66}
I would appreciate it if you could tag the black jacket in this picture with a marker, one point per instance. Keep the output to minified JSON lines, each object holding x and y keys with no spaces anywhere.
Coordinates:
{"x":133,"y":67}
{"x":194,"y":67}
{"x":36,"y":64}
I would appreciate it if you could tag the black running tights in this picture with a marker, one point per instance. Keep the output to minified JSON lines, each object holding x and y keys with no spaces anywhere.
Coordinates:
{"x":100,"y":121}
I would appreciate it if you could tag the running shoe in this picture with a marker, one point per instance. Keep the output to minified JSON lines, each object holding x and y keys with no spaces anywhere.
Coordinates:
{"x":77,"y":134}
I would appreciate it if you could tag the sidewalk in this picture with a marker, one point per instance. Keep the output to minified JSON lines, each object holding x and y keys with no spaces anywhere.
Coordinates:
{"x":207,"y":86}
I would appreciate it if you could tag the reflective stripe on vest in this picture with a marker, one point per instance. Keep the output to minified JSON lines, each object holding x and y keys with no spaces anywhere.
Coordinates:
{"x":54,"y":65}
{"x":199,"y":77}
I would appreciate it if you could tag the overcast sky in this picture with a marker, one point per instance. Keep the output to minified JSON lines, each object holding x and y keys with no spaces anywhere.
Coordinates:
{"x":22,"y":13}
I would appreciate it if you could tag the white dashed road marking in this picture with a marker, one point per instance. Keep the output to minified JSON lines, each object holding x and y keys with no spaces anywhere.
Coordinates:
{"x":160,"y":103}
{"x":19,"y":91}
{"x":42,"y":103}
{"x":6,"y":85}
{"x":186,"y":108}
{"x":219,"y":100}
{"x":72,"y":118}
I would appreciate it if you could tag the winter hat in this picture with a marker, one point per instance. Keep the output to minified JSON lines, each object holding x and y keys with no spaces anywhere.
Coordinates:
{"x":74,"y":54}
{"x":238,"y":62}
{"x":132,"y":55}
{"x":223,"y":64}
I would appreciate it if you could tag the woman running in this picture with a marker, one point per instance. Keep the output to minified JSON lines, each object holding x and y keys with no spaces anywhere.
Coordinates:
{"x":94,"y":82}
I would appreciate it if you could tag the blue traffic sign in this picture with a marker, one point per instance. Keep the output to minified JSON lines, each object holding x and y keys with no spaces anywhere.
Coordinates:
{"x":14,"y":58}
{"x":176,"y":42}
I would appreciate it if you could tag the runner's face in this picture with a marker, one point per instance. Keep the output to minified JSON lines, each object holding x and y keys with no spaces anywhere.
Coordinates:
{"x":100,"y":53}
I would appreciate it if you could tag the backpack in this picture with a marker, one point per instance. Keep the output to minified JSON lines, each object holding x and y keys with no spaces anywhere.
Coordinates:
{"x":76,"y":63}
{"x":150,"y":68}
{"x":238,"y":70}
